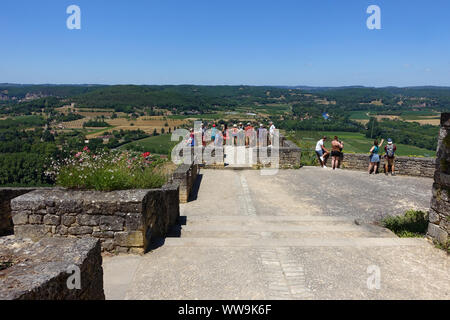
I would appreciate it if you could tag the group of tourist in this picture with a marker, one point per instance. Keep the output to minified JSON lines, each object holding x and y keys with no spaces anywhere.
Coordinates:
{"x":374,"y":159}
{"x":236,"y":135}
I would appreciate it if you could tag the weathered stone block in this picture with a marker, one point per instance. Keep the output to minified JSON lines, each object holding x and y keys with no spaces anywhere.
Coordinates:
{"x":68,"y":205}
{"x":62,"y":230}
{"x":440,"y":206}
{"x":34,"y":232}
{"x":108,"y":245}
{"x":111,"y":223}
{"x":434,"y":216}
{"x":42,"y":273}
{"x":68,"y":220}
{"x":129,"y":239}
{"x":130,"y":207}
{"x":20,"y":218}
{"x":53,"y":220}
{"x":134,"y":222}
{"x":80,"y":230}
{"x":103,"y":234}
{"x":88,"y":220}
{"x":35,"y":219}
{"x":437,"y":233}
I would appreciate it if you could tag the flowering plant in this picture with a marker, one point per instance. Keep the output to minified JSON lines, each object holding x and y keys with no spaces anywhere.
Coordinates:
{"x":107,"y":171}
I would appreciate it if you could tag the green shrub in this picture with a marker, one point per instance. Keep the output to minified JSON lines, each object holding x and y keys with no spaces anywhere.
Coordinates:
{"x":412,"y":224}
{"x":309,"y":158}
{"x":443,"y":246}
{"x":110,"y":171}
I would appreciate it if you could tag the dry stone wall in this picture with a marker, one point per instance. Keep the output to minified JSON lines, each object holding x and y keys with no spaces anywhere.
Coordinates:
{"x":410,"y":166}
{"x":123,"y":221}
{"x":6,"y":194}
{"x":438,"y":227}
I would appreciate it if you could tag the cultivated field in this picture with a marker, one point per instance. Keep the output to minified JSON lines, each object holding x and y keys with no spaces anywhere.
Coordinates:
{"x":412,"y":116}
{"x":146,"y":124}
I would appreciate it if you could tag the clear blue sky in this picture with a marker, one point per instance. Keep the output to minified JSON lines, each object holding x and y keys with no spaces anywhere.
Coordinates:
{"x":254,"y":42}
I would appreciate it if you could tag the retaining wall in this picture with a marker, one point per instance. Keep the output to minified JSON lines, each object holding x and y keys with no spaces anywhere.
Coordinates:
{"x":439,"y":213}
{"x":420,"y":167}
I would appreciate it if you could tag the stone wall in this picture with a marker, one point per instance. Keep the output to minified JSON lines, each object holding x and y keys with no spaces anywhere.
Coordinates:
{"x":185,"y":176}
{"x":6,"y":194}
{"x":123,"y":221}
{"x":40,"y":270}
{"x":420,"y":167}
{"x":438,"y":227}
{"x":290,"y":154}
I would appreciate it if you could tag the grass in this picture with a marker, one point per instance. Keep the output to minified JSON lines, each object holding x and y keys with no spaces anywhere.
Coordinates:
{"x":443,"y":246}
{"x":412,"y":224}
{"x":354,"y":142}
{"x":161,"y":144}
{"x":359,"y":115}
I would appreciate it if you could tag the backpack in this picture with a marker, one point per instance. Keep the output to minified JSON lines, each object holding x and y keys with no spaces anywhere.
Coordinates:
{"x":390,"y":150}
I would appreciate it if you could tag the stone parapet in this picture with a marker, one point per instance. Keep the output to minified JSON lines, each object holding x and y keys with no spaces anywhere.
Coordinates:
{"x":123,"y":221}
{"x":438,"y":227}
{"x":409,"y":166}
{"x":41,"y":270}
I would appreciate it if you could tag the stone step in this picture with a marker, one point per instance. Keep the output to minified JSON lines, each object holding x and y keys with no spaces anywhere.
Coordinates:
{"x":270,"y":227}
{"x":291,"y":234}
{"x":304,"y":242}
{"x":241,"y":218}
{"x":237,"y":167}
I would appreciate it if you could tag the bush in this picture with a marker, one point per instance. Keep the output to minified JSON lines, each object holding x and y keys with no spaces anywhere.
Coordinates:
{"x":110,"y":171}
{"x":412,"y":224}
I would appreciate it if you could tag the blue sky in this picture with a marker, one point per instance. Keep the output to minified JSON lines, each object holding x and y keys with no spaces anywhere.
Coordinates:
{"x":282,"y":42}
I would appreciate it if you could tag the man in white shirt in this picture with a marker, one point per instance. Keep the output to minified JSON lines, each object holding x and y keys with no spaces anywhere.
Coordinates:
{"x":271,"y":132}
{"x":322,"y":152}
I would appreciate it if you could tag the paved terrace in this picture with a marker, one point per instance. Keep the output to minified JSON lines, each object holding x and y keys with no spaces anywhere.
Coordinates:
{"x":289,"y":236}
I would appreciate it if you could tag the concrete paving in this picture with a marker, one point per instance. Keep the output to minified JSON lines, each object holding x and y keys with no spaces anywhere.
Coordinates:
{"x":301,"y":234}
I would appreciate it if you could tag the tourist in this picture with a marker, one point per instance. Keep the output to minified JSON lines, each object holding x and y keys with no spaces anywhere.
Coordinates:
{"x":322,"y":152}
{"x":374,"y":156}
{"x":389,"y":157}
{"x":203,"y":128}
{"x":271,"y":132}
{"x":213,"y":132}
{"x":234,"y":134}
{"x":262,"y":136}
{"x":248,"y":134}
{"x":218,"y":139}
{"x":191,"y":140}
{"x":241,"y":135}
{"x":225,"y":134}
{"x":336,"y":149}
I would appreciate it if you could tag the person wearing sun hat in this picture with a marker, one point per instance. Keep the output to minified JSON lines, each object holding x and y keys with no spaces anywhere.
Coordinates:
{"x":389,"y":157}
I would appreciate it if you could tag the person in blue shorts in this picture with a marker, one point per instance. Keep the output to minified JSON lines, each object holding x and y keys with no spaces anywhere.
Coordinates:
{"x":375,"y":156}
